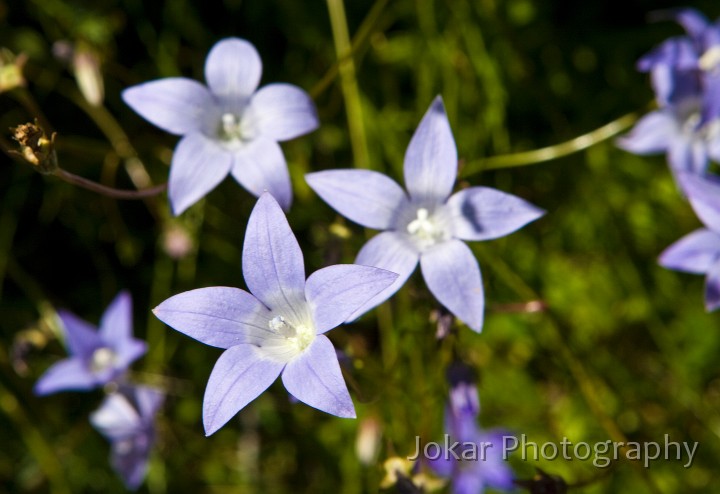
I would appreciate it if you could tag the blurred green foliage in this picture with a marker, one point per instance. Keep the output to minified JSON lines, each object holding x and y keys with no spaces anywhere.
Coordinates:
{"x":624,"y":348}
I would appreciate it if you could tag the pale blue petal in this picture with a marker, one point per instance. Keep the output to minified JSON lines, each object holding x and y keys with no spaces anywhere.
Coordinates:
{"x":687,"y":155}
{"x":694,"y":253}
{"x":390,"y":251}
{"x":482,"y":213}
{"x":260,"y":167}
{"x":116,"y":322}
{"x":495,"y":470}
{"x":176,"y":105}
{"x":116,"y":417}
{"x":272,"y":262}
{"x":68,"y":374}
{"x":651,"y":134}
{"x":336,"y":292}
{"x":467,"y":481}
{"x":453,"y":276}
{"x":314,"y":377}
{"x":218,"y":316}
{"x":431,"y":158}
{"x":128,"y":352}
{"x":694,"y":22}
{"x":281,"y":112}
{"x":712,"y":288}
{"x":198,"y":166}
{"x":81,"y":337}
{"x":239,"y":376}
{"x":149,"y":401}
{"x":233,"y":69}
{"x":703,"y":192}
{"x":366,"y":197}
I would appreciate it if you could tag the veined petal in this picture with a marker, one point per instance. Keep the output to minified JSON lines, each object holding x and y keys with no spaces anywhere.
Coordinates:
{"x":116,"y":322}
{"x":260,"y":166}
{"x":712,"y":288}
{"x":81,"y":337}
{"x":272,"y":263}
{"x":116,"y":417}
{"x":703,"y":192}
{"x":218,"y":316}
{"x":651,"y":134}
{"x":68,"y":374}
{"x":431,"y":158}
{"x":233,"y":69}
{"x":176,"y":105}
{"x":694,"y":253}
{"x":282,"y":111}
{"x":314,"y":378}
{"x":198,"y":166}
{"x":336,"y":292}
{"x":482,"y":213}
{"x":239,"y":376}
{"x":392,"y":252}
{"x":366,"y":197}
{"x":452,"y":274}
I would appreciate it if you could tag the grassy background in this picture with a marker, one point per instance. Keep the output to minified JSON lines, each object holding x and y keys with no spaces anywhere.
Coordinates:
{"x":625,"y":350}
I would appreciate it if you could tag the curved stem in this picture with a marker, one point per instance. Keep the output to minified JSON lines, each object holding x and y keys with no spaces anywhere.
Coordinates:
{"x":71,"y":178}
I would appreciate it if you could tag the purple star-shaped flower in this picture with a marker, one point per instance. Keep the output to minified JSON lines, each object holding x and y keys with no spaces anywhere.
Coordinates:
{"x":699,"y":252}
{"x":278,"y":328}
{"x":96,"y":356}
{"x":227,"y":127}
{"x":430,"y":224}
{"x":127,"y":420}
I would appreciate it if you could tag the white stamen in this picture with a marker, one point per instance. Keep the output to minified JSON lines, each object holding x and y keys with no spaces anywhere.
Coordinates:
{"x":297,"y":338}
{"x":710,"y":59}
{"x":102,"y":359}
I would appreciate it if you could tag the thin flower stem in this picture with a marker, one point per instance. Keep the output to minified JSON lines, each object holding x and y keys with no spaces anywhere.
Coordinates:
{"x":541,"y":155}
{"x":109,"y":191}
{"x":351,"y":93}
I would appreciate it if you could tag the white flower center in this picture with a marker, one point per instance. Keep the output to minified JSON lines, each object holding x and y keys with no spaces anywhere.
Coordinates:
{"x":102,"y":359}
{"x":296,"y":337}
{"x":234,"y":129}
{"x":426,"y":230}
{"x":710,"y":60}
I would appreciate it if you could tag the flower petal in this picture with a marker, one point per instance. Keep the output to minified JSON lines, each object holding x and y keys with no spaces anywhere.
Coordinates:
{"x":694,"y":22}
{"x":149,"y":401}
{"x":712,"y":288}
{"x":176,"y":105}
{"x":314,"y":378}
{"x":198,"y":166}
{"x":218,"y":316}
{"x":128,"y":352}
{"x":431,"y":158}
{"x":272,"y":262}
{"x":651,"y":134}
{"x":452,"y":274}
{"x":116,"y":322}
{"x":281,"y":112}
{"x":116,"y":417}
{"x":336,"y":292}
{"x":482,"y":213}
{"x":687,"y":155}
{"x":68,"y":374}
{"x":366,"y":197}
{"x":233,"y":69}
{"x":694,"y":253}
{"x":392,"y":252}
{"x":703,"y":192}
{"x":260,"y":166}
{"x":81,"y":337}
{"x":239,"y":376}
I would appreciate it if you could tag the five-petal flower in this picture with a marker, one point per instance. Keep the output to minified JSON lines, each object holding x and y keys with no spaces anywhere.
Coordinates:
{"x":96,"y":356}
{"x":227,"y":127}
{"x":428,"y":226}
{"x":279,"y":327}
{"x":699,"y":251}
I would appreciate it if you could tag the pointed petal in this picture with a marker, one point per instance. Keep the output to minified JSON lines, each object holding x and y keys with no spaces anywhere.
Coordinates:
{"x":260,"y":166}
{"x":198,"y":166}
{"x":482,"y":213}
{"x":281,"y":112}
{"x":176,"y":105}
{"x":336,"y":292}
{"x":116,"y":322}
{"x":233,"y":69}
{"x":314,"y":378}
{"x":116,"y":417}
{"x":149,"y":401}
{"x":218,"y":316}
{"x":239,"y":376}
{"x":431,"y":158}
{"x":687,"y":155}
{"x":712,"y":288}
{"x":703,"y":192}
{"x":651,"y":134}
{"x":69,"y":374}
{"x":453,"y":276}
{"x":392,"y":252}
{"x":366,"y":197}
{"x":694,"y":22}
{"x":694,"y":253}
{"x":272,"y":262}
{"x":128,"y":352}
{"x":81,"y":337}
